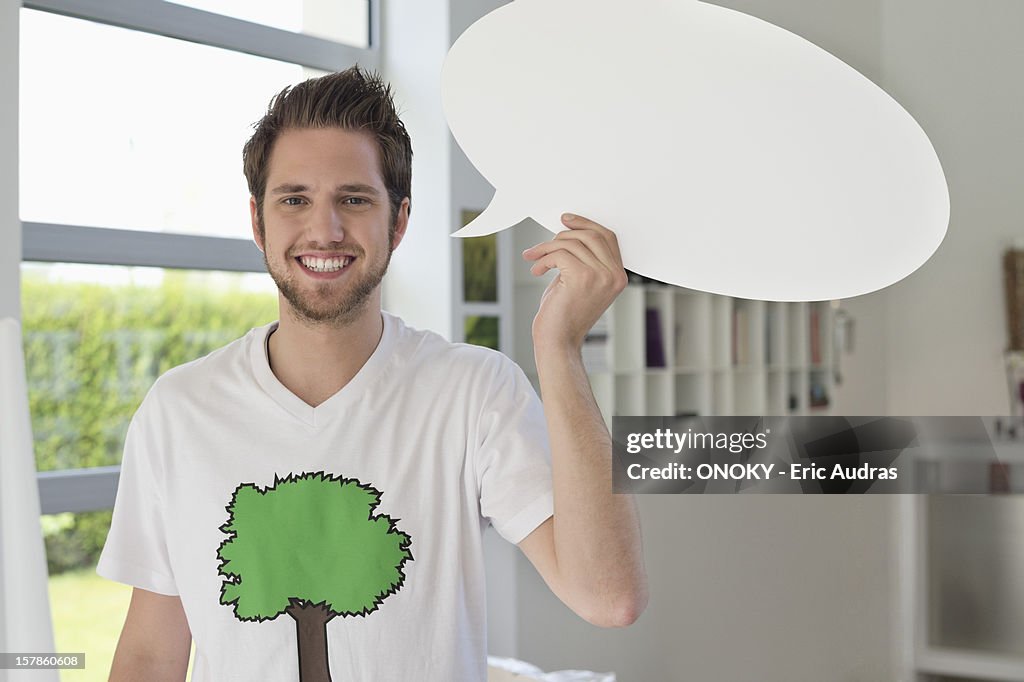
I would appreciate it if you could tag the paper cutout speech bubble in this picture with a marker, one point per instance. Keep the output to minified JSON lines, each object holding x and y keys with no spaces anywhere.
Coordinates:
{"x":728,"y":154}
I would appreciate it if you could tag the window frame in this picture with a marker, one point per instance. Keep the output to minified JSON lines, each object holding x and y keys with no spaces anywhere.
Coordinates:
{"x":217,"y":30}
{"x":94,"y":488}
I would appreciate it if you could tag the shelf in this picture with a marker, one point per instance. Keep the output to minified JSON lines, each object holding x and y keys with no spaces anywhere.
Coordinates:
{"x":971,"y":664}
{"x":628,"y":330}
{"x":629,"y":395}
{"x":711,"y":354}
{"x":969,"y":451}
{"x":748,"y":368}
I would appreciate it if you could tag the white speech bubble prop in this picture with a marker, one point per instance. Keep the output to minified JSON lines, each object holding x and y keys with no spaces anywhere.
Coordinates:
{"x":728,"y":154}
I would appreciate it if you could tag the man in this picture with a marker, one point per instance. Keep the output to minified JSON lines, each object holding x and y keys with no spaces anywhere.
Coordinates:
{"x":310,"y":499}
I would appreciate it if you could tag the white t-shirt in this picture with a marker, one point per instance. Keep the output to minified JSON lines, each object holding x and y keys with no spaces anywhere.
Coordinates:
{"x":228,"y":477}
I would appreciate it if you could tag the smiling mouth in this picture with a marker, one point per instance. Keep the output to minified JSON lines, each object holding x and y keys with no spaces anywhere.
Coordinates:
{"x":315,"y":264}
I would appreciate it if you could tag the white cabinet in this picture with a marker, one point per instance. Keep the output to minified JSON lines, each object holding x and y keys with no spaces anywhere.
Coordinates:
{"x":962,"y":559}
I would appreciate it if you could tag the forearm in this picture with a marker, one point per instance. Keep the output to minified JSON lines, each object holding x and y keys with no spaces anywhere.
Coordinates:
{"x":128,"y":667}
{"x":155,"y":642}
{"x":596,"y":533}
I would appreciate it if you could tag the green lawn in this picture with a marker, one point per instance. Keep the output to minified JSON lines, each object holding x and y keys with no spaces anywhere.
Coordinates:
{"x":88,"y":612}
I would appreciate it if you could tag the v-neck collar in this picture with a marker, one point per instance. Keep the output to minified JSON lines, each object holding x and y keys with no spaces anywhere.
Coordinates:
{"x":336,"y":404}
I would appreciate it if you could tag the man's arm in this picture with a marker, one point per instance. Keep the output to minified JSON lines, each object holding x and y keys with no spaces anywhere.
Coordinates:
{"x":589,"y":553}
{"x":155,"y":640}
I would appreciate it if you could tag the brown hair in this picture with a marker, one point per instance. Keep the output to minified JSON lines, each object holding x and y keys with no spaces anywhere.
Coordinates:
{"x":350,"y":99}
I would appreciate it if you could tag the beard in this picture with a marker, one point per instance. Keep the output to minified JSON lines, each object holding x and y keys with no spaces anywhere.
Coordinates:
{"x":323,"y":305}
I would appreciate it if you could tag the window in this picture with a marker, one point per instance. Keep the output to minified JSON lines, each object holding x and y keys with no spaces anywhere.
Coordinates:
{"x":137,"y":247}
{"x":148,"y":143}
{"x":97,"y":337}
{"x":346,"y":21}
{"x":480,"y":303}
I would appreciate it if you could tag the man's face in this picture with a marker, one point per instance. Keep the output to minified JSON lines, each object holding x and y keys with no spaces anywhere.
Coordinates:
{"x":326,"y":220}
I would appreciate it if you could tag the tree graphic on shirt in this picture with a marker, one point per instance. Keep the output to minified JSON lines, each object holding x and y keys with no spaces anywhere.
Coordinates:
{"x":310,"y":546}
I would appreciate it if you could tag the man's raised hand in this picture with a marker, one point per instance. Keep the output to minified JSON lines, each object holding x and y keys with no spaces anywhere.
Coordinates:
{"x":590,"y":277}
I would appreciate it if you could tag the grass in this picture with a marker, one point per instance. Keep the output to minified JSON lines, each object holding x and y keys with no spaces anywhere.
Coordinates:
{"x":88,"y":612}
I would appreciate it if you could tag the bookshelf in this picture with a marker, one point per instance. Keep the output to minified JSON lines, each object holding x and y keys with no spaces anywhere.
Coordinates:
{"x":662,"y":350}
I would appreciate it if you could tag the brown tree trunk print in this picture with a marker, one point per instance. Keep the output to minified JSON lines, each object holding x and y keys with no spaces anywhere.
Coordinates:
{"x":311,"y":630}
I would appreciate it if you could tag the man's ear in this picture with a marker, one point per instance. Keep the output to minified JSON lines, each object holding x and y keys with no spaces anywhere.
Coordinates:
{"x":254,"y":217}
{"x":401,"y":223}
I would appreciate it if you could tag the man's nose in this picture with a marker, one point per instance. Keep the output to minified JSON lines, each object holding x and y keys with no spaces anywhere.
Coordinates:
{"x":326,"y":224}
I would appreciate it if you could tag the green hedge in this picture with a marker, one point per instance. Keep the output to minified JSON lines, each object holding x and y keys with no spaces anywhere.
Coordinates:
{"x":91,"y":353}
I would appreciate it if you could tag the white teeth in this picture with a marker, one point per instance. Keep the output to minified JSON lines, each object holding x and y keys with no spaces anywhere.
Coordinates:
{"x":325,"y":264}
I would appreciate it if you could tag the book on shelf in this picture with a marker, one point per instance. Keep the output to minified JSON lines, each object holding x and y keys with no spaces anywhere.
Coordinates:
{"x":1013,"y":285}
{"x":733,"y":351}
{"x":998,"y":477}
{"x":740,"y":336}
{"x":815,"y":337}
{"x":818,"y":395}
{"x":680,"y":344}
{"x":654,"y":339}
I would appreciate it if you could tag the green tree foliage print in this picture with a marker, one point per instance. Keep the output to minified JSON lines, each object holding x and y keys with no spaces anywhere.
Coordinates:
{"x":311,"y":547}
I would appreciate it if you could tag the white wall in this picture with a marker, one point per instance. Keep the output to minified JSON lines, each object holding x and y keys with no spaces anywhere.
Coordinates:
{"x":415,"y":42}
{"x":957,"y":67}
{"x":775,"y":588}
{"x":849,"y":30}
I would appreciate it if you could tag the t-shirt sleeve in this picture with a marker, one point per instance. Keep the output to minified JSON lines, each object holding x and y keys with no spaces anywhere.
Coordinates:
{"x":513,"y":456}
{"x":135,"y":552}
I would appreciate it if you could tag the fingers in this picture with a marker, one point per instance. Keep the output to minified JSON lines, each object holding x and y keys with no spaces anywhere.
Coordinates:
{"x":577,"y":266}
{"x":593,"y":242}
{"x":577,"y":247}
{"x":567,"y":264}
{"x":599,"y":240}
{"x":580,"y":225}
{"x":591,"y":245}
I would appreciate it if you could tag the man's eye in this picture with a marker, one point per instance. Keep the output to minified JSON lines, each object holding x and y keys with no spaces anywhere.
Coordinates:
{"x":356,"y":201}
{"x":293,"y":201}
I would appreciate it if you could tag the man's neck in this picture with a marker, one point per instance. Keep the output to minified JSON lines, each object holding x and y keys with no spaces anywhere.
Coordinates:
{"x":315,"y":361}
